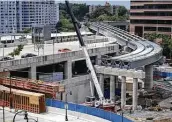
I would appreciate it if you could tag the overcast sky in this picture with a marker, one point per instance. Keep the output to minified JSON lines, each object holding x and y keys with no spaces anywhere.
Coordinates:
{"x":125,"y":3}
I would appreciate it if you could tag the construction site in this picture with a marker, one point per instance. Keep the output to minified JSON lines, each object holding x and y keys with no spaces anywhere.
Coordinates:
{"x":113,"y":78}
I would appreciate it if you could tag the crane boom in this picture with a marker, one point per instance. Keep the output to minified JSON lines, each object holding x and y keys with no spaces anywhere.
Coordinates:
{"x":88,"y":61}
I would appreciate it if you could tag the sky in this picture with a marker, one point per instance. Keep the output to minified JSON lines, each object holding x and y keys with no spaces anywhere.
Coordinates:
{"x":125,"y":3}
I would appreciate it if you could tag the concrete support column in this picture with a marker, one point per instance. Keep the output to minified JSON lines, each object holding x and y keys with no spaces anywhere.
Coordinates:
{"x":101,"y":81}
{"x":123,"y":92}
{"x":32,"y":72}
{"x":135,"y":90}
{"x":98,"y":60}
{"x":112,"y":87}
{"x":125,"y":48}
{"x":116,"y":82}
{"x":143,"y":83}
{"x":93,"y":88}
{"x":148,"y":77}
{"x":68,"y":69}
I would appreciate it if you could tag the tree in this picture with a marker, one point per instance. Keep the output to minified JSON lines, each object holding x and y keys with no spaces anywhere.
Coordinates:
{"x":100,"y":11}
{"x":102,"y":17}
{"x":122,"y":11}
{"x":170,"y":46}
{"x":79,"y":11}
{"x":17,"y":50}
{"x":27,"y":30}
{"x":166,"y":42}
{"x":58,"y":26}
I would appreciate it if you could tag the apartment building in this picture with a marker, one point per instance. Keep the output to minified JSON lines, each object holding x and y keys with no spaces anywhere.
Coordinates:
{"x":17,"y":15}
{"x":151,"y":16}
{"x":107,"y":5}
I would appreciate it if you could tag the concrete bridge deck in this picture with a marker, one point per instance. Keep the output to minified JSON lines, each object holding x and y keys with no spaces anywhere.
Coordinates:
{"x":145,"y":52}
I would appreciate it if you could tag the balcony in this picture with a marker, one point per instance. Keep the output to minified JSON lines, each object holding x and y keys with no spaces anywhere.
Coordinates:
{"x":149,"y":3}
{"x":151,"y":17}
{"x":150,"y":10}
{"x":153,"y":25}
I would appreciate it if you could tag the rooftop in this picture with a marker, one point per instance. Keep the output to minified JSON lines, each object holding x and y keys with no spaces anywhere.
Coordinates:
{"x":62,"y":34}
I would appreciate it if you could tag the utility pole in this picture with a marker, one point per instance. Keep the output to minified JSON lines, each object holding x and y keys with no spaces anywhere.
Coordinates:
{"x":11,"y":99}
{"x":3,"y":106}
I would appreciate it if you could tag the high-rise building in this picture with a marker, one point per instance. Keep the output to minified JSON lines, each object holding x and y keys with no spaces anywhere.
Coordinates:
{"x":17,"y":15}
{"x":151,"y":16}
{"x":107,"y":5}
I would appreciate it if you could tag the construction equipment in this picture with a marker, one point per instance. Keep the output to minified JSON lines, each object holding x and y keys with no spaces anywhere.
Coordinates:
{"x":101,"y":101}
{"x":32,"y":85}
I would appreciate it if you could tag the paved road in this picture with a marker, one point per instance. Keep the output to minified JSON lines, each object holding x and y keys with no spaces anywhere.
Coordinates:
{"x":48,"y":48}
{"x":53,"y":115}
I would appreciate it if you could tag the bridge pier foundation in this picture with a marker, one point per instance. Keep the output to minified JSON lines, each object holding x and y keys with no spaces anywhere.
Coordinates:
{"x":32,"y":72}
{"x":148,"y":77}
{"x":123,"y":91}
{"x":135,"y":90}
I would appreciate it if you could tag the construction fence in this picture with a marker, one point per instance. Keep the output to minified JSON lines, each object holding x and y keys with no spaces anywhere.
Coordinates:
{"x":88,"y":110}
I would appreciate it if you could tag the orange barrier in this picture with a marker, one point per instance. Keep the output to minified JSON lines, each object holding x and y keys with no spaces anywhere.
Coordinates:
{"x":23,"y":100}
{"x":33,"y":85}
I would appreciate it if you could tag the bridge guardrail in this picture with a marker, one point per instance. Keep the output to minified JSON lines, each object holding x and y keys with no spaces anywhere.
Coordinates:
{"x":87,"y":110}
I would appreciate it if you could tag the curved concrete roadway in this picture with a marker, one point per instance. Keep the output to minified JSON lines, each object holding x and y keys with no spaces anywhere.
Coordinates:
{"x":145,"y":52}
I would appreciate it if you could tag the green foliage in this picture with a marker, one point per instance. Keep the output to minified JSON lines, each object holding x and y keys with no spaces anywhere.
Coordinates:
{"x":20,"y":47}
{"x":153,"y":36}
{"x":122,"y":11}
{"x":99,"y":12}
{"x":11,"y":54}
{"x":65,"y":23}
{"x":79,"y":11}
{"x":28,"y":30}
{"x":103,"y":14}
{"x":166,"y":42}
{"x":16,"y":51}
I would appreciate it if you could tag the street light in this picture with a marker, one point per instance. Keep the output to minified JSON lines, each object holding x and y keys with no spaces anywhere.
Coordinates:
{"x":5,"y":70}
{"x":66,"y":104}
{"x":25,"y":116}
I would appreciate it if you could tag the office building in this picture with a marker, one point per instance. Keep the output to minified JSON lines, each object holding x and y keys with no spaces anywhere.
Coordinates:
{"x":151,"y":16}
{"x":17,"y":15}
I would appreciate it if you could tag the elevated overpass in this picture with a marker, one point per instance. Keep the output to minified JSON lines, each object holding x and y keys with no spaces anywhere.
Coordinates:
{"x":145,"y":52}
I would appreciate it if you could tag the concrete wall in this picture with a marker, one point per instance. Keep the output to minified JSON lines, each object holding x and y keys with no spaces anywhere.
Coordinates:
{"x":80,"y":87}
{"x":45,"y":60}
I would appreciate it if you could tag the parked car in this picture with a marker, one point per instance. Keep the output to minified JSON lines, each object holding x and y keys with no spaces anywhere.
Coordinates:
{"x":64,"y":50}
{"x":28,"y":55}
{"x":6,"y":58}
